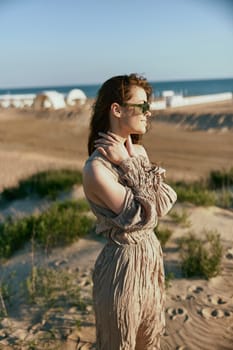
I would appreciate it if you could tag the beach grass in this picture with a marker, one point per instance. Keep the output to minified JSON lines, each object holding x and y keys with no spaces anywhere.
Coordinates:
{"x":169,"y":276}
{"x":64,"y":222}
{"x":49,"y":287}
{"x":61,"y":224}
{"x":195,"y":193}
{"x":163,"y":234}
{"x":219,"y":179}
{"x":201,"y":257}
{"x":44,"y":184}
{"x":216,"y":189}
{"x":57,"y":296}
{"x":180,"y":217}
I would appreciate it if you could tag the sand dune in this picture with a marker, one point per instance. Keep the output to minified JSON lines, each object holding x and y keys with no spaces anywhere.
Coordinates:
{"x":209,"y":117}
{"x":199,"y":313}
{"x":54,"y":137}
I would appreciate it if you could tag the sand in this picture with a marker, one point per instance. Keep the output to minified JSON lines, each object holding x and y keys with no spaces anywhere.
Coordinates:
{"x":199,"y":313}
{"x":186,"y":153}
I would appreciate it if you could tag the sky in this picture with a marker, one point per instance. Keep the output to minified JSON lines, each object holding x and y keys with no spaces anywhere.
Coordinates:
{"x":68,"y":42}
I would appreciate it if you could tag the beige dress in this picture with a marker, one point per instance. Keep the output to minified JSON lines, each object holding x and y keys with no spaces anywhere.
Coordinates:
{"x":128,"y":277}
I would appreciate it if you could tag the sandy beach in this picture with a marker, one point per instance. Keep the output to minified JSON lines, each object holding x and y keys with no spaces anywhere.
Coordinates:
{"x":199,"y":313}
{"x":186,"y":151}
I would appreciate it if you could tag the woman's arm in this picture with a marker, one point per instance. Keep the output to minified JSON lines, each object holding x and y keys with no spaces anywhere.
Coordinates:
{"x":125,"y":210}
{"x":147,"y":181}
{"x":100,"y":184}
{"x":141,"y":191}
{"x":102,"y":187}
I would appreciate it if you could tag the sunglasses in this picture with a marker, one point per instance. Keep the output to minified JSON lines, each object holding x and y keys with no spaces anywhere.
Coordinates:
{"x":145,"y":106}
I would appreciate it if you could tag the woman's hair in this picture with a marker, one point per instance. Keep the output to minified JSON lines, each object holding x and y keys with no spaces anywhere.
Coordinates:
{"x":116,"y":89}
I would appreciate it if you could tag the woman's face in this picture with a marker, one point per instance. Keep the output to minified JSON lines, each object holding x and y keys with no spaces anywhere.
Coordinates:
{"x":134,"y":118}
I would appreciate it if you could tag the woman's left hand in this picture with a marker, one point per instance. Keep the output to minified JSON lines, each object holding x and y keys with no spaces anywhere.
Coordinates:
{"x":113,"y":147}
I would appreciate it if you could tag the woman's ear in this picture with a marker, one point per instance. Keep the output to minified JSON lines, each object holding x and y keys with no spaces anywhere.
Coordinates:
{"x":116,"y":109}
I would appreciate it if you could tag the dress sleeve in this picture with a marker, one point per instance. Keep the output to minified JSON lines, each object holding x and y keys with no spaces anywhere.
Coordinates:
{"x":147,"y":197}
{"x":147,"y":183}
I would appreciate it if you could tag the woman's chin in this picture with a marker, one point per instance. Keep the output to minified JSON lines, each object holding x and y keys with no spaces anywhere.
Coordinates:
{"x":141,"y":131}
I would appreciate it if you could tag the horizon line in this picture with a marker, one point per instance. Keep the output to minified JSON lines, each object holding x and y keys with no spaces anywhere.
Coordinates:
{"x":88,"y":84}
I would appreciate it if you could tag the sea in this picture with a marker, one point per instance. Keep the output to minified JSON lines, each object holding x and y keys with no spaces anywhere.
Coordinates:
{"x":183,"y":87}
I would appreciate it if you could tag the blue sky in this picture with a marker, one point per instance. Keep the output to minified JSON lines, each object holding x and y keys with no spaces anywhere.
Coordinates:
{"x":62,"y":42}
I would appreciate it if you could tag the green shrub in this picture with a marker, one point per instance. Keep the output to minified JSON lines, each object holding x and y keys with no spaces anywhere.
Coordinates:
{"x":206,"y":192}
{"x":220,"y":179}
{"x":225,"y":199}
{"x":61,"y":224}
{"x":163,"y":235}
{"x":13,"y":234}
{"x":180,"y":217}
{"x":194,"y":194}
{"x":168,"y":278}
{"x":45,"y":184}
{"x":80,"y":205}
{"x":201,"y":257}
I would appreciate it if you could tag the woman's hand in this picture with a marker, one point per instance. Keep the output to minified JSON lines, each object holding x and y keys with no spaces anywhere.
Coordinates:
{"x":114,"y":148}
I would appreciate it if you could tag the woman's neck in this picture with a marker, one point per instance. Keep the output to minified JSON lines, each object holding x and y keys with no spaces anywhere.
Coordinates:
{"x":121,"y":136}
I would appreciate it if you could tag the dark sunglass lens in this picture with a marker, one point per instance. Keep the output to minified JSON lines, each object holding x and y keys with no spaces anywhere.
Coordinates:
{"x":145,"y":107}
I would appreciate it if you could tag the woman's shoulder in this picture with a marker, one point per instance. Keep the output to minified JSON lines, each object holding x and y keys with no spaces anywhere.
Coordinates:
{"x":96,"y":165}
{"x":97,"y":177}
{"x":95,"y":159}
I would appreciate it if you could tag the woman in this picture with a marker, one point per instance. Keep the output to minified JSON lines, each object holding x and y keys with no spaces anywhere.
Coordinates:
{"x":127,"y":194}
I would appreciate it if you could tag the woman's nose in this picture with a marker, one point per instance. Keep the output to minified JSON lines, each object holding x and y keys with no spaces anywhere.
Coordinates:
{"x":148,"y":113}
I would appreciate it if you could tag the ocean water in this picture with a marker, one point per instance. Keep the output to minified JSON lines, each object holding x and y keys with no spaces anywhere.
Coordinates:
{"x":185,"y":87}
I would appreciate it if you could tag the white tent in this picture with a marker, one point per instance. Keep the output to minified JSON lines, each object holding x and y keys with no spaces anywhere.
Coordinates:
{"x":17,"y":101}
{"x":76,"y":96}
{"x":49,"y":99}
{"x":5,"y":103}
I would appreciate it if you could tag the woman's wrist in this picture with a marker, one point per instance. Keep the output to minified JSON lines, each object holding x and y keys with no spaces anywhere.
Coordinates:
{"x":128,"y":162}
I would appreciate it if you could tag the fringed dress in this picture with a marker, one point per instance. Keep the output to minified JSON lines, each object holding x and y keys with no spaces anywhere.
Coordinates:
{"x":128,"y":278}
